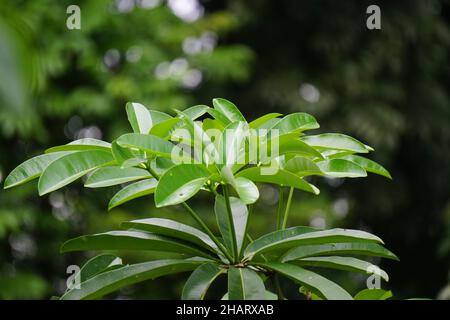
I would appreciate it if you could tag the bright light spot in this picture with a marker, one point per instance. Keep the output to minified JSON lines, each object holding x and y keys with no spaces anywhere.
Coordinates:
{"x":134,"y":54}
{"x":192,"y":79}
{"x":187,"y":10}
{"x":73,"y":125}
{"x":334,"y":182}
{"x":124,"y":5}
{"x":192,"y":45}
{"x":56,"y":200}
{"x":208,"y":41}
{"x":162,"y":70}
{"x":205,"y":43}
{"x":112,"y":58}
{"x":318,"y":220}
{"x":90,"y":132}
{"x":149,"y":4}
{"x":268,"y":194}
{"x":22,"y":245}
{"x":340,"y":208}
{"x":178,"y":67}
{"x":309,"y":92}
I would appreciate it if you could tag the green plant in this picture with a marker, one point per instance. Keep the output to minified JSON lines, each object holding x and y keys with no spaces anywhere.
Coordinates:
{"x":223,"y":155}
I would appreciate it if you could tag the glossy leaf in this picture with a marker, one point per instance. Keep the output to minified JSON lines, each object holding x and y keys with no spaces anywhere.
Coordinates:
{"x":296,"y":122}
{"x":290,"y":144}
{"x":263,"y":119}
{"x":71,"y":167}
{"x":82,"y":144}
{"x":196,"y":111}
{"x":139,"y":117}
{"x":373,"y":294}
{"x":368,"y":165}
{"x":164,"y":128}
{"x":302,"y":166}
{"x":173,"y":229}
{"x":200,"y":280}
{"x":295,"y":236}
{"x":31,"y":169}
{"x":133,"y":191}
{"x":281,"y":177}
{"x":132,"y":240}
{"x":318,"y":284}
{"x":180,"y":183}
{"x":240,"y":219}
{"x":247,"y":191}
{"x":228,"y":109}
{"x":121,"y":154}
{"x":343,"y":263}
{"x":335,"y":141}
{"x":340,"y":168}
{"x":97,"y":265}
{"x":113,"y":175}
{"x":111,"y":281}
{"x":349,"y":248}
{"x":245,"y":284}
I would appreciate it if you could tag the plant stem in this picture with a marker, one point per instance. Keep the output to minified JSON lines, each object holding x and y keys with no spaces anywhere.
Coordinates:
{"x":280,"y":207}
{"x":250,"y":211}
{"x":276,"y":279}
{"x":288,"y":207}
{"x":199,"y":220}
{"x":231,"y":223}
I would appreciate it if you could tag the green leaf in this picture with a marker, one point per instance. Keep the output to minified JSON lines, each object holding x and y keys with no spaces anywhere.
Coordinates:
{"x":200,"y":280}
{"x":232,"y":143}
{"x":281,"y":177}
{"x":196,"y":111}
{"x":219,"y":117}
{"x":296,"y":122}
{"x":247,"y":191}
{"x":152,"y":144}
{"x":160,"y":165}
{"x":70,"y":167}
{"x":315,"y":282}
{"x":228,"y":109}
{"x":31,"y":169}
{"x":240,"y":219}
{"x":295,"y":236}
{"x":302,"y":166}
{"x":340,"y":168}
{"x":335,"y":141}
{"x":290,"y":144}
{"x":373,"y":294}
{"x":99,"y":264}
{"x":267,"y":296}
{"x":132,"y":240}
{"x":350,"y":248}
{"x":111,"y":281}
{"x":368,"y":165}
{"x":263,"y":119}
{"x":82,"y":144}
{"x":343,"y":263}
{"x":245,"y":284}
{"x":164,"y":128}
{"x":139,"y":117}
{"x":180,"y":183}
{"x":121,"y":154}
{"x":133,"y":191}
{"x":111,"y":176}
{"x":173,"y":229}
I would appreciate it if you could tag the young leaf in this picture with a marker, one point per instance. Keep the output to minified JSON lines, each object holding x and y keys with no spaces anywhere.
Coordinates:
{"x":228,"y":109}
{"x":99,"y":264}
{"x":318,"y":284}
{"x":240,"y":215}
{"x":133,"y":191}
{"x":373,"y":294}
{"x":200,"y":280}
{"x":245,"y":284}
{"x":139,"y":117}
{"x":335,"y":141}
{"x":342,"y":263}
{"x":132,"y":240}
{"x":349,"y":248}
{"x":180,"y":183}
{"x":111,"y":281}
{"x":247,"y":191}
{"x":70,"y":167}
{"x":164,"y":128}
{"x":173,"y":229}
{"x":110,"y":176}
{"x":195,"y":111}
{"x":31,"y":169}
{"x":263,"y":119}
{"x":296,"y":122}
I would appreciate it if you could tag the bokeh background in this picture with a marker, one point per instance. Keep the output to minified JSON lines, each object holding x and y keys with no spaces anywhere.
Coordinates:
{"x":388,"y":87}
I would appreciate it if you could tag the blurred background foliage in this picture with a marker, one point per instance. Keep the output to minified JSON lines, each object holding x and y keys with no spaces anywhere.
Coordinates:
{"x":389,"y":88}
